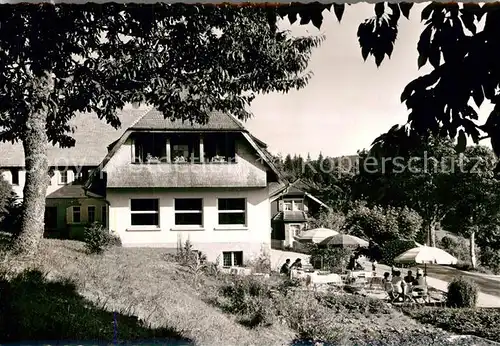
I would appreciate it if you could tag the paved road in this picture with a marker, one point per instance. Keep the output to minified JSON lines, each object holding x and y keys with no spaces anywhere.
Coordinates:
{"x":487,"y":284}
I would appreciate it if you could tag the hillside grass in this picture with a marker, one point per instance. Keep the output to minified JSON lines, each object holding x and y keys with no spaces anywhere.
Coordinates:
{"x":142,"y":294}
{"x":137,"y":283}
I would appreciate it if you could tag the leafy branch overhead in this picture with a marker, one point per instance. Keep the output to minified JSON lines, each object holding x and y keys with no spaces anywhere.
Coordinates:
{"x":463,"y":56}
{"x":184,"y":60}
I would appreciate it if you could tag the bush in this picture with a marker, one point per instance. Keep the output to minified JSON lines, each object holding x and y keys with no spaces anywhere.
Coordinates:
{"x":10,"y":208}
{"x":479,"y":322}
{"x":97,"y":238}
{"x":491,"y":259}
{"x":262,"y":263}
{"x":457,"y":247}
{"x":249,"y":297}
{"x":334,"y":259}
{"x":305,"y":315}
{"x":382,"y":224}
{"x":462,"y":293}
{"x":347,"y":303}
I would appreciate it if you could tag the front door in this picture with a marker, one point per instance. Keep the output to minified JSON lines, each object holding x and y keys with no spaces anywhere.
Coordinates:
{"x":50,"y":218}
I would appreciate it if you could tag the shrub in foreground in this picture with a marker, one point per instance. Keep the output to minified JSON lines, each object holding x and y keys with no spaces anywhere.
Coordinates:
{"x":97,"y":238}
{"x":482,"y":322}
{"x":462,"y":293}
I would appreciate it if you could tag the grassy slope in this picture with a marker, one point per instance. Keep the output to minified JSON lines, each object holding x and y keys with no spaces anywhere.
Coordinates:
{"x":140,"y":282}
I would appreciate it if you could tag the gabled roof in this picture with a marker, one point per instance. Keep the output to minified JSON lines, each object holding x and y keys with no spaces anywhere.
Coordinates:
{"x":154,"y":120}
{"x":92,"y":137}
{"x":217,"y":121}
{"x":297,"y":188}
{"x":290,"y":216}
{"x":71,"y":190}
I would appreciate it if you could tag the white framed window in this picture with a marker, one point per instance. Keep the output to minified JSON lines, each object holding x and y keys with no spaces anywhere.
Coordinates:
{"x":145,"y":212}
{"x":297,"y":205}
{"x":296,"y":230}
{"x":76,"y":214}
{"x":63,"y":177}
{"x":104,"y":215}
{"x":287,"y":206}
{"x":188,"y":211}
{"x":232,"y":258}
{"x":232,"y":211}
{"x":91,"y":213}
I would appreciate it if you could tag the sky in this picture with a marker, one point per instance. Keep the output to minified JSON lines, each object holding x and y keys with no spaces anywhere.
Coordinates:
{"x":348,"y":102}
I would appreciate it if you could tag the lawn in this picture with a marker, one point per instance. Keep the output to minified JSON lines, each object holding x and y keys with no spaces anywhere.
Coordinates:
{"x":141,"y":293}
{"x":132,"y":281}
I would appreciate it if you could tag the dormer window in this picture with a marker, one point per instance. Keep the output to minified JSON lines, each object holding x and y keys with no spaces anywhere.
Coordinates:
{"x":150,"y":148}
{"x":185,"y":148}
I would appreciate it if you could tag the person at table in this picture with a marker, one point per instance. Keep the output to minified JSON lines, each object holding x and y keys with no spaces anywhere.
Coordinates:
{"x":409,"y":278}
{"x":387,"y":284}
{"x":285,"y":268}
{"x":297,"y":264}
{"x":419,"y":280}
{"x":398,"y":284}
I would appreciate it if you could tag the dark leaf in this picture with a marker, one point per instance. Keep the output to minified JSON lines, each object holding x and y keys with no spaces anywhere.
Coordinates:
{"x":317,"y":19}
{"x":462,"y":141}
{"x":427,"y":11}
{"x":364,"y":52}
{"x":339,"y":11}
{"x":379,"y":9}
{"x":422,"y":60}
{"x":478,"y":95}
{"x":468,"y":21}
{"x":379,"y":57}
{"x":405,"y":8}
{"x":423,"y":46}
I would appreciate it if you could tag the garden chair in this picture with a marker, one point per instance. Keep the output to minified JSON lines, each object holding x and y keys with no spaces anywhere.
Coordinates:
{"x":420,"y":292}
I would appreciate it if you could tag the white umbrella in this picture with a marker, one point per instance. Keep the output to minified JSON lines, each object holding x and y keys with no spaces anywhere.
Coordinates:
{"x":424,"y":255}
{"x":345,"y":240}
{"x":316,"y":235}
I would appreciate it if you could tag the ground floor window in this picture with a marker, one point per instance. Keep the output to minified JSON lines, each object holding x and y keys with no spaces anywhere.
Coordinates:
{"x":91,"y":213}
{"x":77,"y":215}
{"x":145,"y":212}
{"x":188,"y":211}
{"x":296,"y":230}
{"x":232,"y":258}
{"x":232,"y":211}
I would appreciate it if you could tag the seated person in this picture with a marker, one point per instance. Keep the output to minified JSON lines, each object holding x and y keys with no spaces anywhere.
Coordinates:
{"x":387,"y":284}
{"x":285,"y":268}
{"x":419,"y":281}
{"x":409,"y":278}
{"x":297,"y":264}
{"x":398,"y":284}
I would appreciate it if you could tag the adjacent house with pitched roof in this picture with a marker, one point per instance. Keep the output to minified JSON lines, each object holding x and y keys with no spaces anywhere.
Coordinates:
{"x":161,"y":181}
{"x":292,"y":206}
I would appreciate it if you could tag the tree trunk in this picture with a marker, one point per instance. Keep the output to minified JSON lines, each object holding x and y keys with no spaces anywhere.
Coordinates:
{"x":35,"y":144}
{"x":430,"y":229}
{"x":473,"y":248}
{"x":433,"y":234}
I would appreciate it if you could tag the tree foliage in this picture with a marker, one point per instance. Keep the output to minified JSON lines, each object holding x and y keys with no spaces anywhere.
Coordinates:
{"x":421,"y":181}
{"x":381,"y":225}
{"x":460,"y":51}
